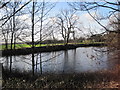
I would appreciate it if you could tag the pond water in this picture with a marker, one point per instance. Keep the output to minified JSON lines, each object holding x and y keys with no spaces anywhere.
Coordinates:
{"x":82,"y":59}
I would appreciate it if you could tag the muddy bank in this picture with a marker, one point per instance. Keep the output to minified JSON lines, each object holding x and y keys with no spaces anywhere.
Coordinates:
{"x":25,"y":51}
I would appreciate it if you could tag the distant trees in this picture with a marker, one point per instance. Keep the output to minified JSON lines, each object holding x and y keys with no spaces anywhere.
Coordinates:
{"x":97,"y":38}
{"x":113,"y":35}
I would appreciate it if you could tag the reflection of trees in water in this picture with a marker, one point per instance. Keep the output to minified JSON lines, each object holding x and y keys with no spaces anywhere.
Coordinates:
{"x":65,"y":60}
{"x":74,"y":57}
{"x":7,"y":61}
{"x":97,"y":58}
{"x":96,"y":54}
{"x":112,"y":56}
{"x":69,"y":61}
{"x":39,"y":59}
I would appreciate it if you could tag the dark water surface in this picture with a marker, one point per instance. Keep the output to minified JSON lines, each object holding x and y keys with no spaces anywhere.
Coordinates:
{"x":83,"y":59}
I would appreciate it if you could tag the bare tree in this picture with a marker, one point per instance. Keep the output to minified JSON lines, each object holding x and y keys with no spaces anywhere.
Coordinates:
{"x":66,"y":22}
{"x":33,"y":25}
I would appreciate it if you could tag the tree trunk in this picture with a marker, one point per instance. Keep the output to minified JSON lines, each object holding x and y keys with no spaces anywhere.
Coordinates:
{"x":33,"y":9}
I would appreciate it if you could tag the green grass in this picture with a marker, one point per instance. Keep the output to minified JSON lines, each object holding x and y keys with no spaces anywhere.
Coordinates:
{"x":18,"y":46}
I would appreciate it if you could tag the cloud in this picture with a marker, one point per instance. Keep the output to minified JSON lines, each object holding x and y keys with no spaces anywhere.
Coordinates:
{"x":88,"y":17}
{"x":25,"y":18}
{"x":89,"y":24}
{"x":94,"y":14}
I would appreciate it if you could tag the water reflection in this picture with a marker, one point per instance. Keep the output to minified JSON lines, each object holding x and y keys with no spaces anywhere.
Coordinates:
{"x":69,"y":61}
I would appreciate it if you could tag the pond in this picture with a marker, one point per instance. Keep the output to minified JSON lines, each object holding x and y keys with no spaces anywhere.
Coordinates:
{"x":82,"y":59}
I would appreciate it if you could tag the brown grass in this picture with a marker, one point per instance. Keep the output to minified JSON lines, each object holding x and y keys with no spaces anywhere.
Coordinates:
{"x":103,"y":79}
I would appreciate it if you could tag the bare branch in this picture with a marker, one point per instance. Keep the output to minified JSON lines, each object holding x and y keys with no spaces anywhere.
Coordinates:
{"x":16,"y":12}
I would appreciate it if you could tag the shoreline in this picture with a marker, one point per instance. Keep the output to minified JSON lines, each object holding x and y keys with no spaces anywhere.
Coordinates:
{"x":26,"y":51}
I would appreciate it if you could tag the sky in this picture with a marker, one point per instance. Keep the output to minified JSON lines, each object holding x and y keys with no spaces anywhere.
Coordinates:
{"x":66,"y":0}
{"x":86,"y":20}
{"x":87,"y":23}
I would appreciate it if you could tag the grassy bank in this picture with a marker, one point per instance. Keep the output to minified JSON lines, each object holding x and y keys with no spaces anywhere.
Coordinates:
{"x":103,"y":79}
{"x":47,"y":48}
{"x":19,"y":46}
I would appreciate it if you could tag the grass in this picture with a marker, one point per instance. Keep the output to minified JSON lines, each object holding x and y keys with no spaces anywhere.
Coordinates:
{"x":103,"y":79}
{"x":18,"y":46}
